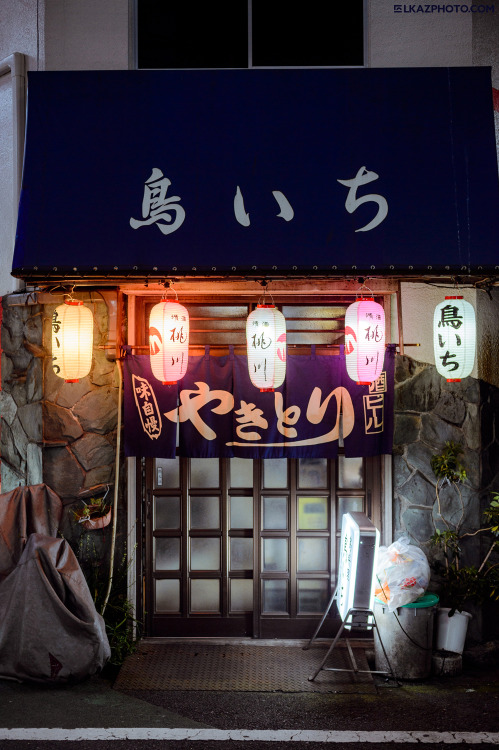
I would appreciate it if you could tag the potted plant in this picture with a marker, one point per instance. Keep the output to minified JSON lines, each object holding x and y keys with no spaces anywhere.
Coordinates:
{"x":95,"y":514}
{"x":460,"y":584}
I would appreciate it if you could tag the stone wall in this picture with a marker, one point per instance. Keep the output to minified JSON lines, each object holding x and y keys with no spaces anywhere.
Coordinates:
{"x":428,"y":412}
{"x":79,"y":430}
{"x":21,"y":394}
{"x":63,"y":434}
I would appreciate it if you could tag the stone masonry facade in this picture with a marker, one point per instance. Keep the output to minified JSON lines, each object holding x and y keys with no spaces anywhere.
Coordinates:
{"x":62,"y":434}
{"x":428,"y":412}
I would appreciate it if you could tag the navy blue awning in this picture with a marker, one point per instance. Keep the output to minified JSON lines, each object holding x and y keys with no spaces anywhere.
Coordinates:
{"x":247,"y":171}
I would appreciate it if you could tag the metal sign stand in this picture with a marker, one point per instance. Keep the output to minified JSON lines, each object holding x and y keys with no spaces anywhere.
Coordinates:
{"x":358,"y":618}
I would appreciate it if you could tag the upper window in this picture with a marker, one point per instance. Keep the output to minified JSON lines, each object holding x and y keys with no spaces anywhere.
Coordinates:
{"x":249,"y":33}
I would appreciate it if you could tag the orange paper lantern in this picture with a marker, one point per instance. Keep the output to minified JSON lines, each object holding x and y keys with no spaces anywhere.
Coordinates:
{"x":72,"y":340}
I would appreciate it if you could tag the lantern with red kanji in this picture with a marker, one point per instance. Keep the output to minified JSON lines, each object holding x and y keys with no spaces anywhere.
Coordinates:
{"x":72,"y":340}
{"x":454,"y":338}
{"x":266,"y":347}
{"x":169,"y":341}
{"x":365,"y":340}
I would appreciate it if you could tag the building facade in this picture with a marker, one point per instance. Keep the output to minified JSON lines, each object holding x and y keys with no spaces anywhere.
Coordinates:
{"x":224,"y":544}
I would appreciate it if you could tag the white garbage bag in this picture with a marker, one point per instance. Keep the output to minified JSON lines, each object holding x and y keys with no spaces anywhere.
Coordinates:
{"x":402,"y":573}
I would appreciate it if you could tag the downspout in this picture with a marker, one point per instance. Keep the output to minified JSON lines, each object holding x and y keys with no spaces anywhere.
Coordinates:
{"x":116,"y":489}
{"x":15,"y":64}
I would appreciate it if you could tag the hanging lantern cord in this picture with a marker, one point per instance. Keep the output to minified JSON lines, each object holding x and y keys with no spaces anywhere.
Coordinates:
{"x":264,"y":283}
{"x":168,"y":284}
{"x":364,"y":286}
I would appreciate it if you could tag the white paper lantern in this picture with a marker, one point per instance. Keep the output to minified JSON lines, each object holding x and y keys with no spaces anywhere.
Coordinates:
{"x":454,"y":338}
{"x":266,"y":347}
{"x":169,"y":341}
{"x":72,"y":340}
{"x":365,"y":340}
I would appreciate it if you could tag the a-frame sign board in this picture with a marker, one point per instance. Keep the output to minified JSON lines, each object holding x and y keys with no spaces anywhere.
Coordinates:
{"x":354,"y":593}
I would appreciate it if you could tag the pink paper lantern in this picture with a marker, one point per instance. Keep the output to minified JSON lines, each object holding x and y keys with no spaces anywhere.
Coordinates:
{"x":169,"y":341}
{"x":365,"y":340}
{"x":266,"y":347}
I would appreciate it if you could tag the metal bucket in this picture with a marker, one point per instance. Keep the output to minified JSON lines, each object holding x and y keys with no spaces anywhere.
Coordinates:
{"x":407,"y":637}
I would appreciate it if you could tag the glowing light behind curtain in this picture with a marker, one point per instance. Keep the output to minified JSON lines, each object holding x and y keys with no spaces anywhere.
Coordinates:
{"x":169,"y":341}
{"x":364,"y":340}
{"x":266,"y":347}
{"x":72,"y":340}
{"x":454,"y":338}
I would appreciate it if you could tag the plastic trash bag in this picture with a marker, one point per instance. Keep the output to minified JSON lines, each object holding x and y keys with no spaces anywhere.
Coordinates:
{"x":402,"y":573}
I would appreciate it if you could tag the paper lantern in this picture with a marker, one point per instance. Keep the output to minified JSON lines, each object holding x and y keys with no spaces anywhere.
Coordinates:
{"x":266,"y":347}
{"x":454,"y":338}
{"x":72,"y":340}
{"x":365,"y":340}
{"x":169,"y":341}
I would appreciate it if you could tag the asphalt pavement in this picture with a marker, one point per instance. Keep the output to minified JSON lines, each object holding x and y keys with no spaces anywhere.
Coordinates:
{"x":462,"y":709}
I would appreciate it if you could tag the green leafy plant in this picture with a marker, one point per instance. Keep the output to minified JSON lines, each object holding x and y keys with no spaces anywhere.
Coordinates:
{"x":447,"y":464}
{"x":95,"y":508}
{"x":122,"y":628}
{"x":462,"y":584}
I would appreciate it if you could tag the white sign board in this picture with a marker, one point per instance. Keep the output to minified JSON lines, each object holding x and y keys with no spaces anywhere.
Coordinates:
{"x":358,"y":551}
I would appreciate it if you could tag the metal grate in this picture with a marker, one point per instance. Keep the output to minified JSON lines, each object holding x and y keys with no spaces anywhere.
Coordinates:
{"x":240,"y":668}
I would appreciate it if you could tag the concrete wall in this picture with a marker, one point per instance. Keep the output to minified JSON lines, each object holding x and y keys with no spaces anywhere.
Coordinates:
{"x":398,"y":40}
{"x":89,"y":35}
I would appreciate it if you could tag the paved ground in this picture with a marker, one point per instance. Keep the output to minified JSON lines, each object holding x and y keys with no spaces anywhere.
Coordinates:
{"x":467,"y":704}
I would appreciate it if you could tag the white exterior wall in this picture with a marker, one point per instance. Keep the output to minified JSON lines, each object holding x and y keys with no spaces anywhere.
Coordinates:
{"x":85,"y":35}
{"x":399,"y":40}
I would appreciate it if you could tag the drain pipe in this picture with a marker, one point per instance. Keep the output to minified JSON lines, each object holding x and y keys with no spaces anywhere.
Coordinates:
{"x":116,"y":488}
{"x":15,"y":64}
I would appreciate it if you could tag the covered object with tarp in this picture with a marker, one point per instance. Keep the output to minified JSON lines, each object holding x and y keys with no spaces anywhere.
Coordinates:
{"x":49,"y":627}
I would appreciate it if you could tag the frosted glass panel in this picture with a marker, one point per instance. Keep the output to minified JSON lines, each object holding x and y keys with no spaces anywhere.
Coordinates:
{"x":275,"y":472}
{"x":241,"y":595}
{"x":241,"y":554}
{"x":312,"y":473}
{"x":168,"y":595}
{"x":241,"y":472}
{"x":275,"y":596}
{"x":350,"y":472}
{"x":204,"y":472}
{"x":241,"y":512}
{"x":312,"y":596}
{"x":275,"y":512}
{"x":167,"y":554}
{"x":312,"y":513}
{"x":312,"y":554}
{"x":166,"y":512}
{"x":205,"y":595}
{"x":166,"y":472}
{"x":275,"y":554}
{"x":204,"y":513}
{"x":349,"y":505}
{"x":205,"y":554}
